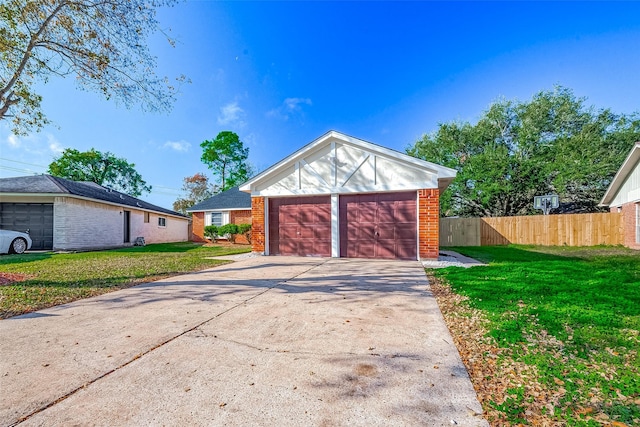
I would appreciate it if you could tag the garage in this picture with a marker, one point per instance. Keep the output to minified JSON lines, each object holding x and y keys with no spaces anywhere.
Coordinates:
{"x":300,"y":226}
{"x":378,"y":226}
{"x":35,"y":217}
{"x":341,"y":196}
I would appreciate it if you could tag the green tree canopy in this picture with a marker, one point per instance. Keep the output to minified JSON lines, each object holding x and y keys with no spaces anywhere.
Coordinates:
{"x":197,"y":189}
{"x":227,"y":157}
{"x":101,"y":43}
{"x":101,"y":168}
{"x":552,"y":144}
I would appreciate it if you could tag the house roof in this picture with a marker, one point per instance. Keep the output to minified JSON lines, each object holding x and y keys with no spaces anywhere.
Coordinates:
{"x":233,"y":198}
{"x":53,"y":185}
{"x":444,"y":174}
{"x":627,"y":167}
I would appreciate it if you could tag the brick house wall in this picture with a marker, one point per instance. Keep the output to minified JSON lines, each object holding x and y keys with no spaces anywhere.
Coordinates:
{"x":428,"y":223}
{"x":175,"y":229}
{"x":240,"y":217}
{"x":197,"y":227}
{"x":257,"y":225}
{"x":235,"y":217}
{"x":83,"y":225}
{"x":629,"y":224}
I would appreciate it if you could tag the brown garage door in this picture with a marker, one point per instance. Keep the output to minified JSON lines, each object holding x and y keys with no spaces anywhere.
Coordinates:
{"x":378,"y":226}
{"x":300,"y":226}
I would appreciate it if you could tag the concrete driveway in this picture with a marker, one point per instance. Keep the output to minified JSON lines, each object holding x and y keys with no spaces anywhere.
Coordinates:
{"x":263,"y":341}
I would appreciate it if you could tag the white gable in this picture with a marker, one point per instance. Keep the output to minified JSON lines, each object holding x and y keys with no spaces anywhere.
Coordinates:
{"x":625,"y":186}
{"x":337,"y":164}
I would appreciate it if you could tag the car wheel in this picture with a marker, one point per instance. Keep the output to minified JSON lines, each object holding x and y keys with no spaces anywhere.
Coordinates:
{"x":18,"y":246}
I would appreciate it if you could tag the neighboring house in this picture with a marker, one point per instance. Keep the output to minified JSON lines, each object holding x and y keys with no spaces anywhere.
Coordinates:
{"x":231,"y":206}
{"x":341,"y":196}
{"x":623,"y":195}
{"x":61,"y":214}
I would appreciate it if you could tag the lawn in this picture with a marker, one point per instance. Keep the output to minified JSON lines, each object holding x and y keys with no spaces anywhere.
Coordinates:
{"x":550,"y":335}
{"x":34,"y":281}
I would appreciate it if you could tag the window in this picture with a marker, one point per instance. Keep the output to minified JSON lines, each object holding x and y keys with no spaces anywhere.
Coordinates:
{"x":216,"y":218}
{"x":146,"y":217}
{"x":162,"y":222}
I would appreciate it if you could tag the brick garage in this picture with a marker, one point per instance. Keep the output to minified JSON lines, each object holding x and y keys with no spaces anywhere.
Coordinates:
{"x":364,"y":200}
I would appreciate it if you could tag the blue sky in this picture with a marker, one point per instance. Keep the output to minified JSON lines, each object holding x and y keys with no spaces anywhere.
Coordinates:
{"x":282,"y":74}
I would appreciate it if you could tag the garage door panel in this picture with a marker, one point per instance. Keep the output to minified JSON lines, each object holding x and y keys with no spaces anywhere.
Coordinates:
{"x":379,"y":225}
{"x":386,"y":214}
{"x":385,"y":233}
{"x":405,"y":215}
{"x":405,"y":231}
{"x":386,"y":249}
{"x":36,"y":217}
{"x":288,"y":231}
{"x":300,"y":226}
{"x":288,"y":215}
{"x":321,"y":231}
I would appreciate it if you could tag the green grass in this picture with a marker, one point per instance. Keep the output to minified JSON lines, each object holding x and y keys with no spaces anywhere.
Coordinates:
{"x":573,"y":314}
{"x":54,"y":278}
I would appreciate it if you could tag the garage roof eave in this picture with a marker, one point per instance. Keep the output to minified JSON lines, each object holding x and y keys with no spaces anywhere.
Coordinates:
{"x":627,"y":166}
{"x":442,"y":172}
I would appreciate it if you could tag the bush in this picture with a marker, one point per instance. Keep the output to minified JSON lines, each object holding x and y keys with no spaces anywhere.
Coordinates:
{"x":245,"y":229}
{"x":229,"y":231}
{"x":212,"y":232}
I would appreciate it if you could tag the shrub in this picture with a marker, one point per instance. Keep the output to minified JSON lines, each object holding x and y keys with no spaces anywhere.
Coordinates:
{"x":229,"y":231}
{"x":212,"y":232}
{"x":245,"y":229}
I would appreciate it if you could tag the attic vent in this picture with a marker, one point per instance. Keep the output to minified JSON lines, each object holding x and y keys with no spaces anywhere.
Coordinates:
{"x":138,"y":205}
{"x":121,"y":196}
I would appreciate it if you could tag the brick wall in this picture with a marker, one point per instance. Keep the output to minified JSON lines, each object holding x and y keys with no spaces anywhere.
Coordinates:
{"x":82,"y":224}
{"x":240,"y":217}
{"x":428,"y":223}
{"x":257,"y":224}
{"x":629,"y":224}
{"x":175,"y":229}
{"x":197,"y":227}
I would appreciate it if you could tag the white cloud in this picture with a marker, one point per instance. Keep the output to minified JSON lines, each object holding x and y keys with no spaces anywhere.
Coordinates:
{"x":293,"y":104}
{"x":231,"y":114}
{"x":13,"y":141}
{"x":54,"y":145}
{"x":181,"y":145}
{"x":289,"y":107}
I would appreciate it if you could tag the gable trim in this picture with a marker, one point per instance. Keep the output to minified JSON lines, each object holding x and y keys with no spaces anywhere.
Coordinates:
{"x":627,"y":167}
{"x":442,"y":173}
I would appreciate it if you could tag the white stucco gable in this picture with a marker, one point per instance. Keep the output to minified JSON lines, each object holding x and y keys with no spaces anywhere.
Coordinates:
{"x":336,"y":163}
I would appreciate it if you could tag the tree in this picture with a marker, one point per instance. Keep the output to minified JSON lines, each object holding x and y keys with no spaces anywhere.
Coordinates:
{"x":517,"y":150}
{"x":197,"y":188}
{"x":227,"y":157}
{"x":101,"y":43}
{"x":101,"y":168}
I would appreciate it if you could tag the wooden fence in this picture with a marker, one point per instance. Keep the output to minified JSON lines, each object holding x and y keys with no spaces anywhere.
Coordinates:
{"x":547,"y":230}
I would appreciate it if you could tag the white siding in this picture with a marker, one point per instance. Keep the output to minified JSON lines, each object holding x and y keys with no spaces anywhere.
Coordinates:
{"x":630,"y":190}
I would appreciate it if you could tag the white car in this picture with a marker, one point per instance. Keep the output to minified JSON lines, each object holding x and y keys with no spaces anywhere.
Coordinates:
{"x":14,"y":242}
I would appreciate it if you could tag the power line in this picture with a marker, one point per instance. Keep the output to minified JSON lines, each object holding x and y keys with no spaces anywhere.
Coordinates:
{"x":171,"y":192}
